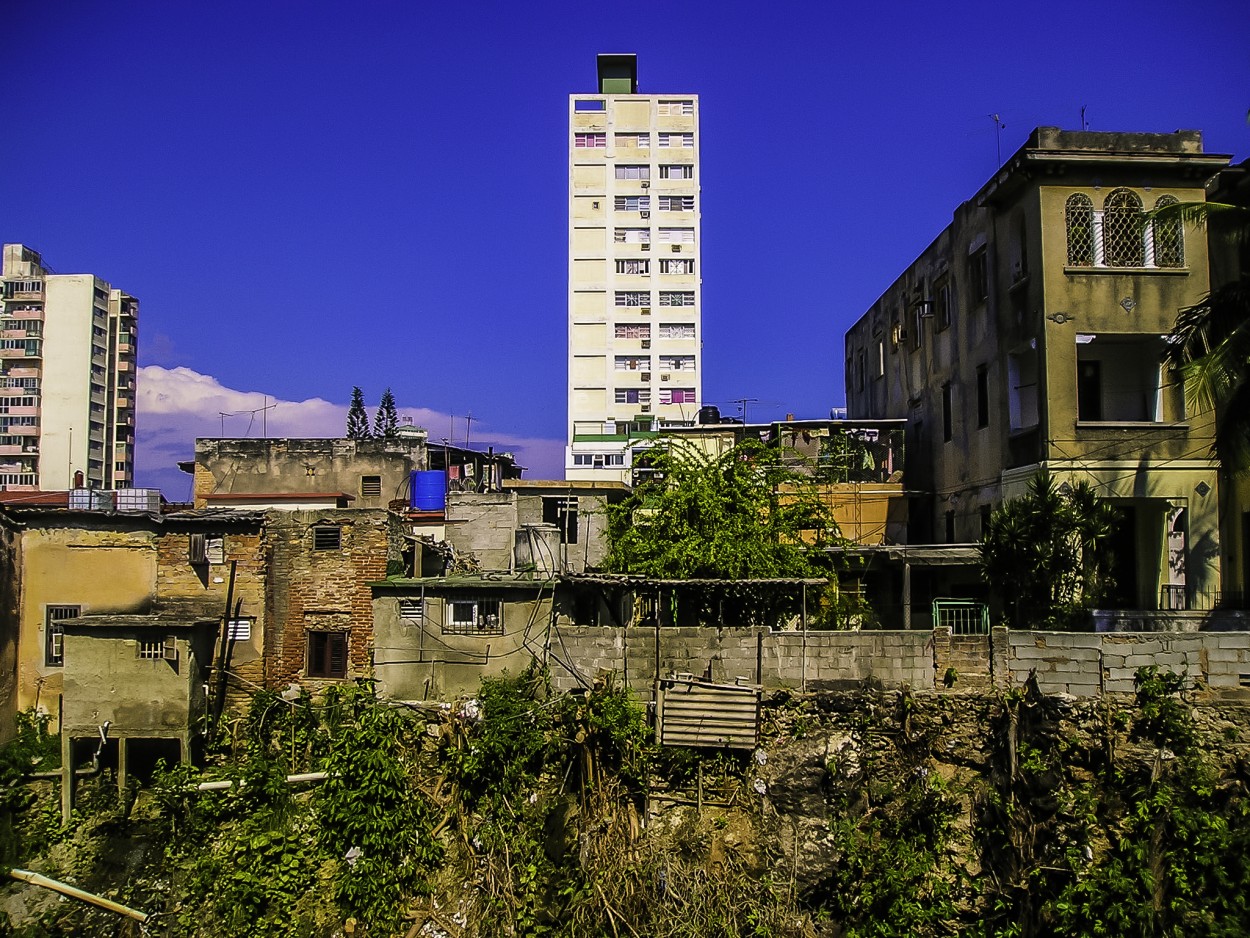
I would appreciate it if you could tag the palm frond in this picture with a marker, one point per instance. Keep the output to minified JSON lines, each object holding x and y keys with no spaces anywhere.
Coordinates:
{"x":1232,"y":431}
{"x":1229,"y":222}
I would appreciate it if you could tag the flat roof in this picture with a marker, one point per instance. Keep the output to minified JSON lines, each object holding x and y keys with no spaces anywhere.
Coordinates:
{"x":275,"y":496}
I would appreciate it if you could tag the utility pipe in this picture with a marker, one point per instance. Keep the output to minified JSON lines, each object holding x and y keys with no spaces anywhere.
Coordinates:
{"x":36,"y":879}
{"x":290,"y":780}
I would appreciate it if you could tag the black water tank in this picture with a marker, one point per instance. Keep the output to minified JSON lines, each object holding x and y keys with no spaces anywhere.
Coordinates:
{"x":709,"y":414}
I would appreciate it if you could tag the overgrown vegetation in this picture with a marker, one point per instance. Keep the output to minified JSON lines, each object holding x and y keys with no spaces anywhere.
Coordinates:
{"x":1045,"y":554}
{"x":740,"y":515}
{"x":524,"y":813}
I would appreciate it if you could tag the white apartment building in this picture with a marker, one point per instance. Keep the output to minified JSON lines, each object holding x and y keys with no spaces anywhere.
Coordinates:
{"x":67,"y":378}
{"x":634,"y":302}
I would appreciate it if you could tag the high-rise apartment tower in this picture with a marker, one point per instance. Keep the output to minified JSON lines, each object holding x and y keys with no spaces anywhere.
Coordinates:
{"x":67,"y":378}
{"x":634,"y":298}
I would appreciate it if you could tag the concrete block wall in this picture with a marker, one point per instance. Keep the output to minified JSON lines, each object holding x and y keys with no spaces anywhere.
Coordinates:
{"x":1080,"y":664}
{"x":812,"y":660}
{"x":1065,"y":662}
{"x":1226,"y":659}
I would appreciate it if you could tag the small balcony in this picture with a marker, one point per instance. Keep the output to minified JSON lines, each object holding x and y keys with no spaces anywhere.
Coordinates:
{"x":20,"y":411}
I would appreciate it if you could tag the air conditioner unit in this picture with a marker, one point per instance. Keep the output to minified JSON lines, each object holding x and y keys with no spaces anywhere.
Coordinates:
{"x":646,"y":376}
{"x":646,"y":408}
{"x":646,"y":185}
{"x":644,"y":214}
{"x":646,"y":343}
{"x":665,"y":377}
{"x":645,"y":310}
{"x":676,"y":248}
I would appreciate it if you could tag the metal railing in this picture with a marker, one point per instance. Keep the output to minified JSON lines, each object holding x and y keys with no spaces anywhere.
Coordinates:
{"x":961,"y":616}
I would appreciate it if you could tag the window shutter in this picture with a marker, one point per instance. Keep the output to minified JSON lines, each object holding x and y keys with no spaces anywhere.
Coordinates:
{"x":338,"y":654}
{"x":197,"y":549}
{"x":170,"y":650}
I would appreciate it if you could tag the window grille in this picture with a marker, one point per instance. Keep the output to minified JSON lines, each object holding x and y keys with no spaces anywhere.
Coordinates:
{"x":1079,"y":216}
{"x":1122,"y":230}
{"x":1168,"y":239}
{"x":474,"y":617}
{"x":153,"y":649}
{"x":54,"y":633}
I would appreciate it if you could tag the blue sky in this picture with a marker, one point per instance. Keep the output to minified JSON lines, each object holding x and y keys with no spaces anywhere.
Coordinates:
{"x":308,"y":196}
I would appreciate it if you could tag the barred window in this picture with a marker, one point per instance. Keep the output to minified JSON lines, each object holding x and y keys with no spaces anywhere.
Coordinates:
{"x":1169,"y":241}
{"x":632,"y":298}
{"x":677,"y":298}
{"x":1079,"y":215}
{"x":1122,"y":230}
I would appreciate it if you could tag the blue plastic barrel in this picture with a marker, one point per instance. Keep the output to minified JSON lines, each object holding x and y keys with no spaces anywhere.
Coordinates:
{"x":429,"y":490}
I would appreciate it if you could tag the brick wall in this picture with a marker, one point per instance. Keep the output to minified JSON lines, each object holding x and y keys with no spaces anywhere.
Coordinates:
{"x":321,"y":589}
{"x":204,"y":586}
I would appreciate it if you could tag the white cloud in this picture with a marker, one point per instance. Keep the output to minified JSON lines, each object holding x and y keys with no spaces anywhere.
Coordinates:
{"x":176,"y":405}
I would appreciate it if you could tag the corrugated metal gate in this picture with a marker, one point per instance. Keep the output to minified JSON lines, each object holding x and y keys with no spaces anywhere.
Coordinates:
{"x":693,"y":712}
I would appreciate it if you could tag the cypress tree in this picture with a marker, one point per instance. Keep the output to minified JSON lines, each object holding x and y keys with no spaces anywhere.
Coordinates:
{"x":357,"y":418}
{"x":386,"y":420}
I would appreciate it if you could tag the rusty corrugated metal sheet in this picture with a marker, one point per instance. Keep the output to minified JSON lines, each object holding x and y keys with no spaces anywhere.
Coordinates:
{"x":699,"y":713}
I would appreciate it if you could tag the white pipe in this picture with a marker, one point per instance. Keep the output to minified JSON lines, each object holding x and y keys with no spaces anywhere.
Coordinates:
{"x":35,"y":879}
{"x":290,"y":780}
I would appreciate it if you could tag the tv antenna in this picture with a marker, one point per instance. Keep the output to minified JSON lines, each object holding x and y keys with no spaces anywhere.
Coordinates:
{"x":998,"y":132}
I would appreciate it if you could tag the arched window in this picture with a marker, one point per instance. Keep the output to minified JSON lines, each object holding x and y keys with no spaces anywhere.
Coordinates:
{"x":1079,"y":215}
{"x":1122,"y":230}
{"x":1169,"y":239}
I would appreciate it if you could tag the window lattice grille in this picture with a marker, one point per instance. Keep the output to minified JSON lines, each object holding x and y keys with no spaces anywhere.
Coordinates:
{"x":1169,"y":241}
{"x":1122,"y":230}
{"x":1079,"y":216}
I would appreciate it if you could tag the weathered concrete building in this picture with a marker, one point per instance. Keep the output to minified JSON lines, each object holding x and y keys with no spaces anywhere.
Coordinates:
{"x":305,"y":473}
{"x":1028,"y":336}
{"x":168,"y":569}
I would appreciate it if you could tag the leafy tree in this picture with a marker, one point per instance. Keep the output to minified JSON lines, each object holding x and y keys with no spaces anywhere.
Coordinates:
{"x":386,"y":420}
{"x":357,"y":418}
{"x":739,"y":515}
{"x":1210,"y":343}
{"x":1044,"y":554}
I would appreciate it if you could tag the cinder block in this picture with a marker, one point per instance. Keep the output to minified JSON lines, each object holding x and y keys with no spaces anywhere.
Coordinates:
{"x":1224,"y":680}
{"x":1233,"y":639}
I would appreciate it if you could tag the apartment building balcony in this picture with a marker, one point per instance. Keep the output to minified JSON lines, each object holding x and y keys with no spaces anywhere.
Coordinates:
{"x":28,"y":348}
{"x":6,"y":392}
{"x":22,"y":333}
{"x":25,"y":295}
{"x":124,"y":400}
{"x":19,"y":449}
{"x":612,"y":431}
{"x":26,"y":410}
{"x":21,"y":431}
